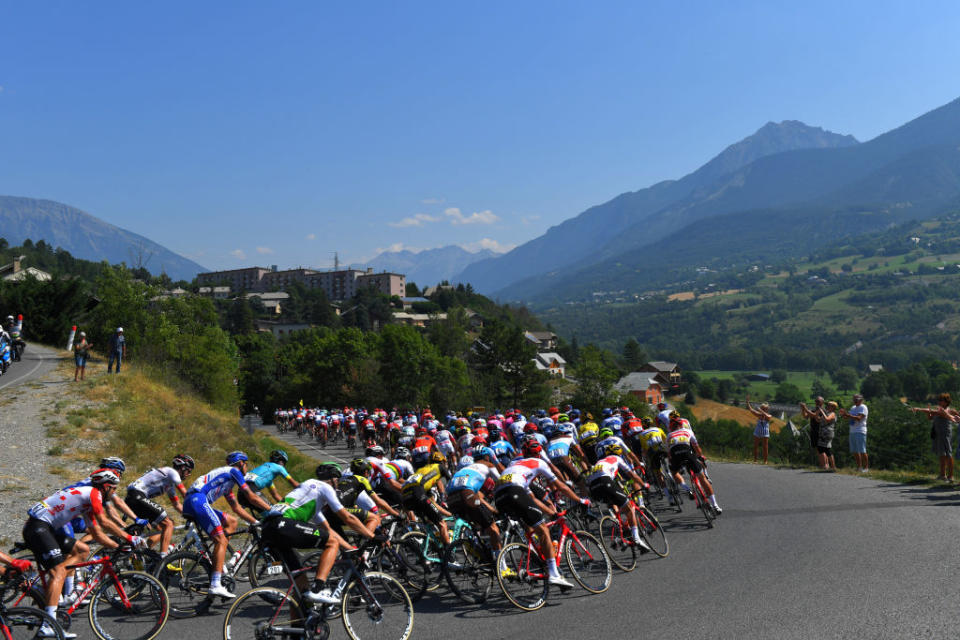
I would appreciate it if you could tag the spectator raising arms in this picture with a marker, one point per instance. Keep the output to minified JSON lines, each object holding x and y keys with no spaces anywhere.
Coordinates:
{"x":761,"y":433}
{"x":858,"y":432}
{"x":942,"y":418}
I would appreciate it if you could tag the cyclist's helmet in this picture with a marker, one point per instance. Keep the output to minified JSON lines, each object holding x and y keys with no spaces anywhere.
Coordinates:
{"x":464,"y":461}
{"x":531,"y":448}
{"x":403,"y":453}
{"x":563,"y":418}
{"x":376,"y":451}
{"x":484,"y":453}
{"x":566,"y":428}
{"x":605,"y":432}
{"x":235,"y":457}
{"x":529,"y":427}
{"x":183,"y":461}
{"x":328,"y":471}
{"x":409,"y":432}
{"x":479,"y":441}
{"x":462,"y":430}
{"x":101,"y":477}
{"x":279,"y":456}
{"x":437,"y":457}
{"x":607,"y":412}
{"x":113,"y":463}
{"x":647,"y":421}
{"x":613,"y":449}
{"x":360,"y":467}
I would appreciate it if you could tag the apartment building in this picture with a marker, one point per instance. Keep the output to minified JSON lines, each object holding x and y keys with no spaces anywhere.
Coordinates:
{"x":342,"y":284}
{"x":246,"y":279}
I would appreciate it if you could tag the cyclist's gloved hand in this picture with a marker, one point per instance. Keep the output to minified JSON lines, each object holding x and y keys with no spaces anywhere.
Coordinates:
{"x":585,"y":502}
{"x":20,"y":564}
{"x":141,"y":522}
{"x":381,"y":538}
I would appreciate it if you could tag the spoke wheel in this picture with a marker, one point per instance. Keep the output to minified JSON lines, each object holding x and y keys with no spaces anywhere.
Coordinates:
{"x":704,"y":506}
{"x":186,"y":577}
{"x":429,"y":555}
{"x":621,"y":553}
{"x":134,"y":607}
{"x":522,"y":576}
{"x":652,"y":531}
{"x":404,"y":561}
{"x":588,"y":562}
{"x":377,"y":608}
{"x":27,"y":622}
{"x":469,"y":569}
{"x":262,"y":613}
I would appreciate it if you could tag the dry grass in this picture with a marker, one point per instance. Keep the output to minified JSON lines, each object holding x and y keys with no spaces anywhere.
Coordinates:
{"x":704,"y":409}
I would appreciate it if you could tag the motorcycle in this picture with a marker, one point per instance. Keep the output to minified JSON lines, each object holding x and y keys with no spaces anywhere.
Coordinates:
{"x":5,"y":355}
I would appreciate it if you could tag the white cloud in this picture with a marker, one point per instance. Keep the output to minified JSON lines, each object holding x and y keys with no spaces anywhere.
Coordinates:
{"x":398,"y":246}
{"x":525,"y":220}
{"x":487,"y":243}
{"x":264,"y":251}
{"x":311,"y":236}
{"x":478,"y":217}
{"x":416,"y":220}
{"x":432,"y":201}
{"x":239,"y":254}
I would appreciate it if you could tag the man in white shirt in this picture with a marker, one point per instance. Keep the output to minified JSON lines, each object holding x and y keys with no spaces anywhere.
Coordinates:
{"x":858,"y":432}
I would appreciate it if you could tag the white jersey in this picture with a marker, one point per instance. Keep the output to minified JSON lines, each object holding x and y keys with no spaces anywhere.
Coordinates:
{"x":67,"y":504}
{"x":157,"y":481}
{"x":522,"y":472}
{"x":406,"y":469}
{"x":608,"y":467}
{"x":314,"y":491}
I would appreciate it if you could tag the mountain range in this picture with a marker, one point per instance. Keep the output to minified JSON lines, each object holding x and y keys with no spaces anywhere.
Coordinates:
{"x":88,"y":237}
{"x":784,"y":180}
{"x":431,"y":266}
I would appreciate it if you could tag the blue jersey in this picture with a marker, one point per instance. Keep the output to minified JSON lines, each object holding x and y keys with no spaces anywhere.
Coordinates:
{"x":560,"y":447}
{"x":471,"y":477}
{"x":503,"y":450}
{"x":218,"y":483}
{"x":259,"y":478}
{"x":613,"y":423}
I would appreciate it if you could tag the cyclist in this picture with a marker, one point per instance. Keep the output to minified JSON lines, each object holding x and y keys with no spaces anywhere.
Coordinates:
{"x":299,"y":523}
{"x":385,"y":476}
{"x":446,"y":444}
{"x":587,"y":438}
{"x":605,"y":487}
{"x":418,"y":489}
{"x":559,"y":448}
{"x":168,"y":480}
{"x":198,"y":506}
{"x":465,"y":496}
{"x":686,"y":452}
{"x":663,"y":416}
{"x":423,"y":446}
{"x":607,"y":437}
{"x":354,"y":489}
{"x":54,"y":550}
{"x":652,"y":442}
{"x":512,"y":496}
{"x":261,"y":477}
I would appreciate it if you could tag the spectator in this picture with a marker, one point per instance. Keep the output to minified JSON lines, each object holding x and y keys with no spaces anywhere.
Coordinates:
{"x":941,"y":432}
{"x":827,"y":416}
{"x":118,"y":350}
{"x":81,"y":349}
{"x":761,"y":433}
{"x":822,"y":447}
{"x":858,"y":432}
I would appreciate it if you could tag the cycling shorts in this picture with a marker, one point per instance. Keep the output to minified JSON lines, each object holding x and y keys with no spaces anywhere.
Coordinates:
{"x":514,"y":501}
{"x":49,"y":547}
{"x":197,"y":508}
{"x":335,"y":523}
{"x":283,"y":535}
{"x":466,"y":504}
{"x":244,"y":502}
{"x":654,"y":459}
{"x":682,"y":456}
{"x":605,"y":489}
{"x":144,"y":507}
{"x":416,"y":500}
{"x":446,"y":448}
{"x":390,"y":495}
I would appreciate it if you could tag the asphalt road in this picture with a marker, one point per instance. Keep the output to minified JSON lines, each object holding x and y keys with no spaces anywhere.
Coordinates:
{"x":36,"y":362}
{"x":796,"y":554}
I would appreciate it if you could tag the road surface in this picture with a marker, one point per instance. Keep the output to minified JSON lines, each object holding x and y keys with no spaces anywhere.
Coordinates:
{"x":36,"y":362}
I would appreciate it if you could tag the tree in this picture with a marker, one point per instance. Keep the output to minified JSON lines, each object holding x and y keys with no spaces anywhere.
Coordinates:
{"x":845,"y":378}
{"x":724,"y":389}
{"x":707,"y":389}
{"x":788,"y":392}
{"x":821,"y":388}
{"x":411,"y":290}
{"x":778,"y":375}
{"x":915,"y":381}
{"x":595,"y":379}
{"x":240,"y":316}
{"x":633,"y":355}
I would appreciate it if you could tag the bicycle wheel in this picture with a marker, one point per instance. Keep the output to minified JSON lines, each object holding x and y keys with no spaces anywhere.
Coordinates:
{"x":652,"y":531}
{"x":186,"y":577}
{"x":621,"y":553}
{"x":468,"y":566}
{"x":376,"y":607}
{"x":21,"y":623}
{"x":263,"y":612}
{"x":703,"y":505}
{"x":264,"y":571}
{"x":676,"y":499}
{"x":522,"y":575}
{"x":133,"y":607}
{"x":588,"y":562}
{"x":429,"y":556}
{"x":404,"y":561}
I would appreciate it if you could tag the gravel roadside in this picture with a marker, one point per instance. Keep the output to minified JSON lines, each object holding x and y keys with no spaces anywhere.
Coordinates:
{"x":35,"y":460}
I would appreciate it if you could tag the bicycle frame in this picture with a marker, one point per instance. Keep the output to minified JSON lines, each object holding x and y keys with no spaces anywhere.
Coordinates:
{"x":105,"y":565}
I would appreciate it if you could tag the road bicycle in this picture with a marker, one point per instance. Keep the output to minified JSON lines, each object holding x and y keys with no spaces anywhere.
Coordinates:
{"x":20,"y":623}
{"x":469,"y":561}
{"x":123,"y":605}
{"x":372,"y":605}
{"x":616,"y":538}
{"x":522,"y":566}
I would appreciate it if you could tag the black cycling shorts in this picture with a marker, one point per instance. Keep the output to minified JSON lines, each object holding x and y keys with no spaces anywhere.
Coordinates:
{"x":589,"y":452}
{"x":517,"y":503}
{"x":606,"y":490}
{"x":144,"y":507}
{"x":682,"y":456}
{"x":466,"y":504}
{"x":50,"y":547}
{"x":390,"y":495}
{"x":336,"y":523}
{"x":538,"y":488}
{"x":283,"y":536}
{"x":415,"y":499}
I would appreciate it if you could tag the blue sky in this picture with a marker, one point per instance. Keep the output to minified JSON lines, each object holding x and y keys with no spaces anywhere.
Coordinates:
{"x":279,"y":133}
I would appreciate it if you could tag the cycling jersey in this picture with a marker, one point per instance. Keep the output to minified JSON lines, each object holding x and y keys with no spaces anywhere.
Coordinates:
{"x":587,"y":432}
{"x":503,"y":450}
{"x":305,"y":503}
{"x":603,"y":444}
{"x":423,"y":445}
{"x":425,"y":477}
{"x":631,"y":428}
{"x":613,"y":423}
{"x":681,"y":437}
{"x":664,"y":419}
{"x":608,"y":467}
{"x":404,"y":468}
{"x":65,"y":505}
{"x":560,"y":447}
{"x":350,"y":487}
{"x":218,"y":483}
{"x":472,"y":477}
{"x":156,"y":481}
{"x":521,"y":473}
{"x":652,"y":438}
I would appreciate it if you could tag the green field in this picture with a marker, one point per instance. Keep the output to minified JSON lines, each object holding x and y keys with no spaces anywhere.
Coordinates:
{"x":767,"y":390}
